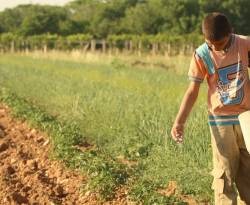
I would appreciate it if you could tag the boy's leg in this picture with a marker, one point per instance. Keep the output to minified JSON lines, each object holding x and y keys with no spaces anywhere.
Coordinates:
{"x":225,"y":161}
{"x":243,"y":174}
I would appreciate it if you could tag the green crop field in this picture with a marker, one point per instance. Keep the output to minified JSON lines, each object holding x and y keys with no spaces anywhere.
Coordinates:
{"x":126,"y":107}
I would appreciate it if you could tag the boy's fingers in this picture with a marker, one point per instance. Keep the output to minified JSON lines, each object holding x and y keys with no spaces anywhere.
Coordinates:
{"x":180,"y":140}
{"x":177,"y":136}
{"x":173,"y":134}
{"x":177,"y":133}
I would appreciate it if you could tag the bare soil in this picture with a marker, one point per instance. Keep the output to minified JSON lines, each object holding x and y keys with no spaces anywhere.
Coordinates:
{"x":28,"y":176}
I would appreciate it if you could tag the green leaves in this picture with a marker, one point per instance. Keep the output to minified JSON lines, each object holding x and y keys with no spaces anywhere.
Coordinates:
{"x":112,"y":17}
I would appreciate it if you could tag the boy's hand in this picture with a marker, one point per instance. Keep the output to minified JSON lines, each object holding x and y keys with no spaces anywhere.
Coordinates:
{"x":185,"y":108}
{"x":177,"y":132}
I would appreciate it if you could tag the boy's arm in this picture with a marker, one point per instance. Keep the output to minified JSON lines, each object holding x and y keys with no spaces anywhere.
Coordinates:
{"x":185,"y":108}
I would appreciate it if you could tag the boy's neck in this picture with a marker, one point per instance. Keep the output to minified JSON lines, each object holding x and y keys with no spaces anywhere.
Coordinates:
{"x":228,"y":45}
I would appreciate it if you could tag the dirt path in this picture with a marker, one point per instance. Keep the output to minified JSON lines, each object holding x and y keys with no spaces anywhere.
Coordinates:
{"x":27,"y":176}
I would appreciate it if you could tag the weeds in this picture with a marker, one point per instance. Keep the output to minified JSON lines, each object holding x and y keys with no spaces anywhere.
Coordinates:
{"x":123,"y":112}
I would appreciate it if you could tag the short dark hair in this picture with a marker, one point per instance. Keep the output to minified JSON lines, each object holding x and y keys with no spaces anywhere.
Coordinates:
{"x":216,"y":26}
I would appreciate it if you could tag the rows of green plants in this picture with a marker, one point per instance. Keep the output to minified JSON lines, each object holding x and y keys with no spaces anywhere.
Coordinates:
{"x":105,"y":173}
{"x":192,"y":39}
{"x":124,"y":112}
{"x":79,"y":41}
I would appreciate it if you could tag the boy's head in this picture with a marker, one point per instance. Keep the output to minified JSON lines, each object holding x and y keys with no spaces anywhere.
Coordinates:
{"x":216,"y":30}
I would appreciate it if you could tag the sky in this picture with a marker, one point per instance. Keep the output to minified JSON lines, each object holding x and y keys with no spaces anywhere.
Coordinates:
{"x":12,"y":3}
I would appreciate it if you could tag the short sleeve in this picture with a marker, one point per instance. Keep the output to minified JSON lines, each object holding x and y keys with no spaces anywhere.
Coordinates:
{"x":248,"y":43}
{"x":245,"y":40}
{"x":248,"y":50}
{"x":197,"y":69}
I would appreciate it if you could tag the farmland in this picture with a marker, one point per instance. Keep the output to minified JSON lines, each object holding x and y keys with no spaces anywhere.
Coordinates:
{"x":124,"y":106}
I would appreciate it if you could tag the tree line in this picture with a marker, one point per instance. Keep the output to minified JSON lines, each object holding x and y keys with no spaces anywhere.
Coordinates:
{"x":101,"y":18}
{"x":121,"y":19}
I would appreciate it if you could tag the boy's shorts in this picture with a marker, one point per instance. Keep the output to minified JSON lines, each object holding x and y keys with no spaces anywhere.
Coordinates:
{"x":231,"y":164}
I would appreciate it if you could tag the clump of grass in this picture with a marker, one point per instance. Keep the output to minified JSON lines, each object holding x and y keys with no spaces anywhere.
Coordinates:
{"x":145,"y":189}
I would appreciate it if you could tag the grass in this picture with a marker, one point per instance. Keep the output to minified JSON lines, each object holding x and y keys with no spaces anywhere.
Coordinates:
{"x":126,"y":109}
{"x":104,"y":173}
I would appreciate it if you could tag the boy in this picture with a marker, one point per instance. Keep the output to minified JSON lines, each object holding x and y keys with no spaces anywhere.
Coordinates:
{"x":223,"y":61}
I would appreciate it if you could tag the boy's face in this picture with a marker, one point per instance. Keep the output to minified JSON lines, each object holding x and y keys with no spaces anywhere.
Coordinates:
{"x":218,"y":45}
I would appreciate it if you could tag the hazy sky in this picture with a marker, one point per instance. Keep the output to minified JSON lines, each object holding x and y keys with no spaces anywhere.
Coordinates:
{"x":12,"y":3}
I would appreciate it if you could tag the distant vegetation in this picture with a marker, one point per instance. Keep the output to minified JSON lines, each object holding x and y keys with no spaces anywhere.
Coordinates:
{"x":124,"y":24}
{"x":126,"y":43}
{"x":101,"y":18}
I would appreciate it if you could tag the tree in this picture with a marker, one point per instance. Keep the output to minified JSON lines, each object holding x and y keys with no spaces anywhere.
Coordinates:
{"x":69,"y":27}
{"x":238,"y":12}
{"x":145,"y":17}
{"x":42,"y":19}
{"x":10,"y":19}
{"x":102,"y":18}
{"x":180,"y":17}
